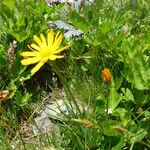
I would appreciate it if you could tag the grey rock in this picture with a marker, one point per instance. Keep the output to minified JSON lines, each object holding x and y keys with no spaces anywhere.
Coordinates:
{"x":55,"y":110}
{"x":44,"y":125}
{"x":69,"y":30}
{"x":75,"y":3}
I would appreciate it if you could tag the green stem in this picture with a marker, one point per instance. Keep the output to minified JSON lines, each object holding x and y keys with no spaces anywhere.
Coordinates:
{"x":131,"y":146}
{"x":65,"y":85}
{"x":106,"y":96}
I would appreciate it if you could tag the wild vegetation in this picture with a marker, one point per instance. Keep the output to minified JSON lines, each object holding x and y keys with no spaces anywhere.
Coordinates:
{"x":105,"y":74}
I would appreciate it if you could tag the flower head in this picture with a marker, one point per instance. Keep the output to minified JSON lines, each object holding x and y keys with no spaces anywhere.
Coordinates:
{"x":106,"y":75}
{"x":43,"y":50}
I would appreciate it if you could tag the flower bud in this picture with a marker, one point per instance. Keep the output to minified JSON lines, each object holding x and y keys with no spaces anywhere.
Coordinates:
{"x":106,"y":75}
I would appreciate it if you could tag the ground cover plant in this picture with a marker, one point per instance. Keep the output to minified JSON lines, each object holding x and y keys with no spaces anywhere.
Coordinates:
{"x":104,"y":73}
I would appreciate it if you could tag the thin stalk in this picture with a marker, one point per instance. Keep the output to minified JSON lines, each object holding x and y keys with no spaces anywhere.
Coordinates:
{"x":65,"y":85}
{"x":107,"y":100}
{"x":132,"y":146}
{"x":2,"y":111}
{"x":7,"y":127}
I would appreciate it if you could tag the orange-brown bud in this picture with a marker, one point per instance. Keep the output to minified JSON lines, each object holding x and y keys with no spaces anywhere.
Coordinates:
{"x":106,"y":75}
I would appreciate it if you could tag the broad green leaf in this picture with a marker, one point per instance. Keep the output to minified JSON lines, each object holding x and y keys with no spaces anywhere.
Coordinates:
{"x":123,"y":114}
{"x":137,"y":68}
{"x":128,"y":96}
{"x":118,"y":82}
{"x":19,"y":35}
{"x":120,"y":144}
{"x":114,"y":97}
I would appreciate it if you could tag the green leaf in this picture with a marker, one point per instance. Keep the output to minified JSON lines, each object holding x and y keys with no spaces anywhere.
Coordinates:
{"x":137,"y":67}
{"x":123,"y":114}
{"x":118,"y":82}
{"x":22,"y":99}
{"x":139,"y":136}
{"x":12,"y":86}
{"x":19,"y":35}
{"x":128,"y":96}
{"x":2,"y":57}
{"x":99,"y":104}
{"x":120,"y":144}
{"x":107,"y":127}
{"x":90,"y":40}
{"x":147,"y":113}
{"x":9,"y":4}
{"x":78,"y":21}
{"x":114,"y":97}
{"x":106,"y":27}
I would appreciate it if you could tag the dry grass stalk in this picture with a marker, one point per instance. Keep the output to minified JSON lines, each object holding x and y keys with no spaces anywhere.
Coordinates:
{"x":11,"y":52}
{"x":87,"y":123}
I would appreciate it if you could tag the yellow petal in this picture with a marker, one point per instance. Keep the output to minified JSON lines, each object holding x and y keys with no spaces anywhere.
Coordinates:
{"x":29,"y":61}
{"x":36,"y":47}
{"x":59,"y":40}
{"x":57,"y":35}
{"x":53,"y":57}
{"x":61,"y":49}
{"x":43,"y":40}
{"x":57,"y":43}
{"x":37,"y":40}
{"x":50,"y":38}
{"x":27,"y":54}
{"x":37,"y":67}
{"x":32,"y":48}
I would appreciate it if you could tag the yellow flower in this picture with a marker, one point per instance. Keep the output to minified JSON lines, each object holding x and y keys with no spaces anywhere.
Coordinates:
{"x":43,"y":50}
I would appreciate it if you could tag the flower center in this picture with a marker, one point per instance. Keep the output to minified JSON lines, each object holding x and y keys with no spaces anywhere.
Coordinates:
{"x":45,"y":53}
